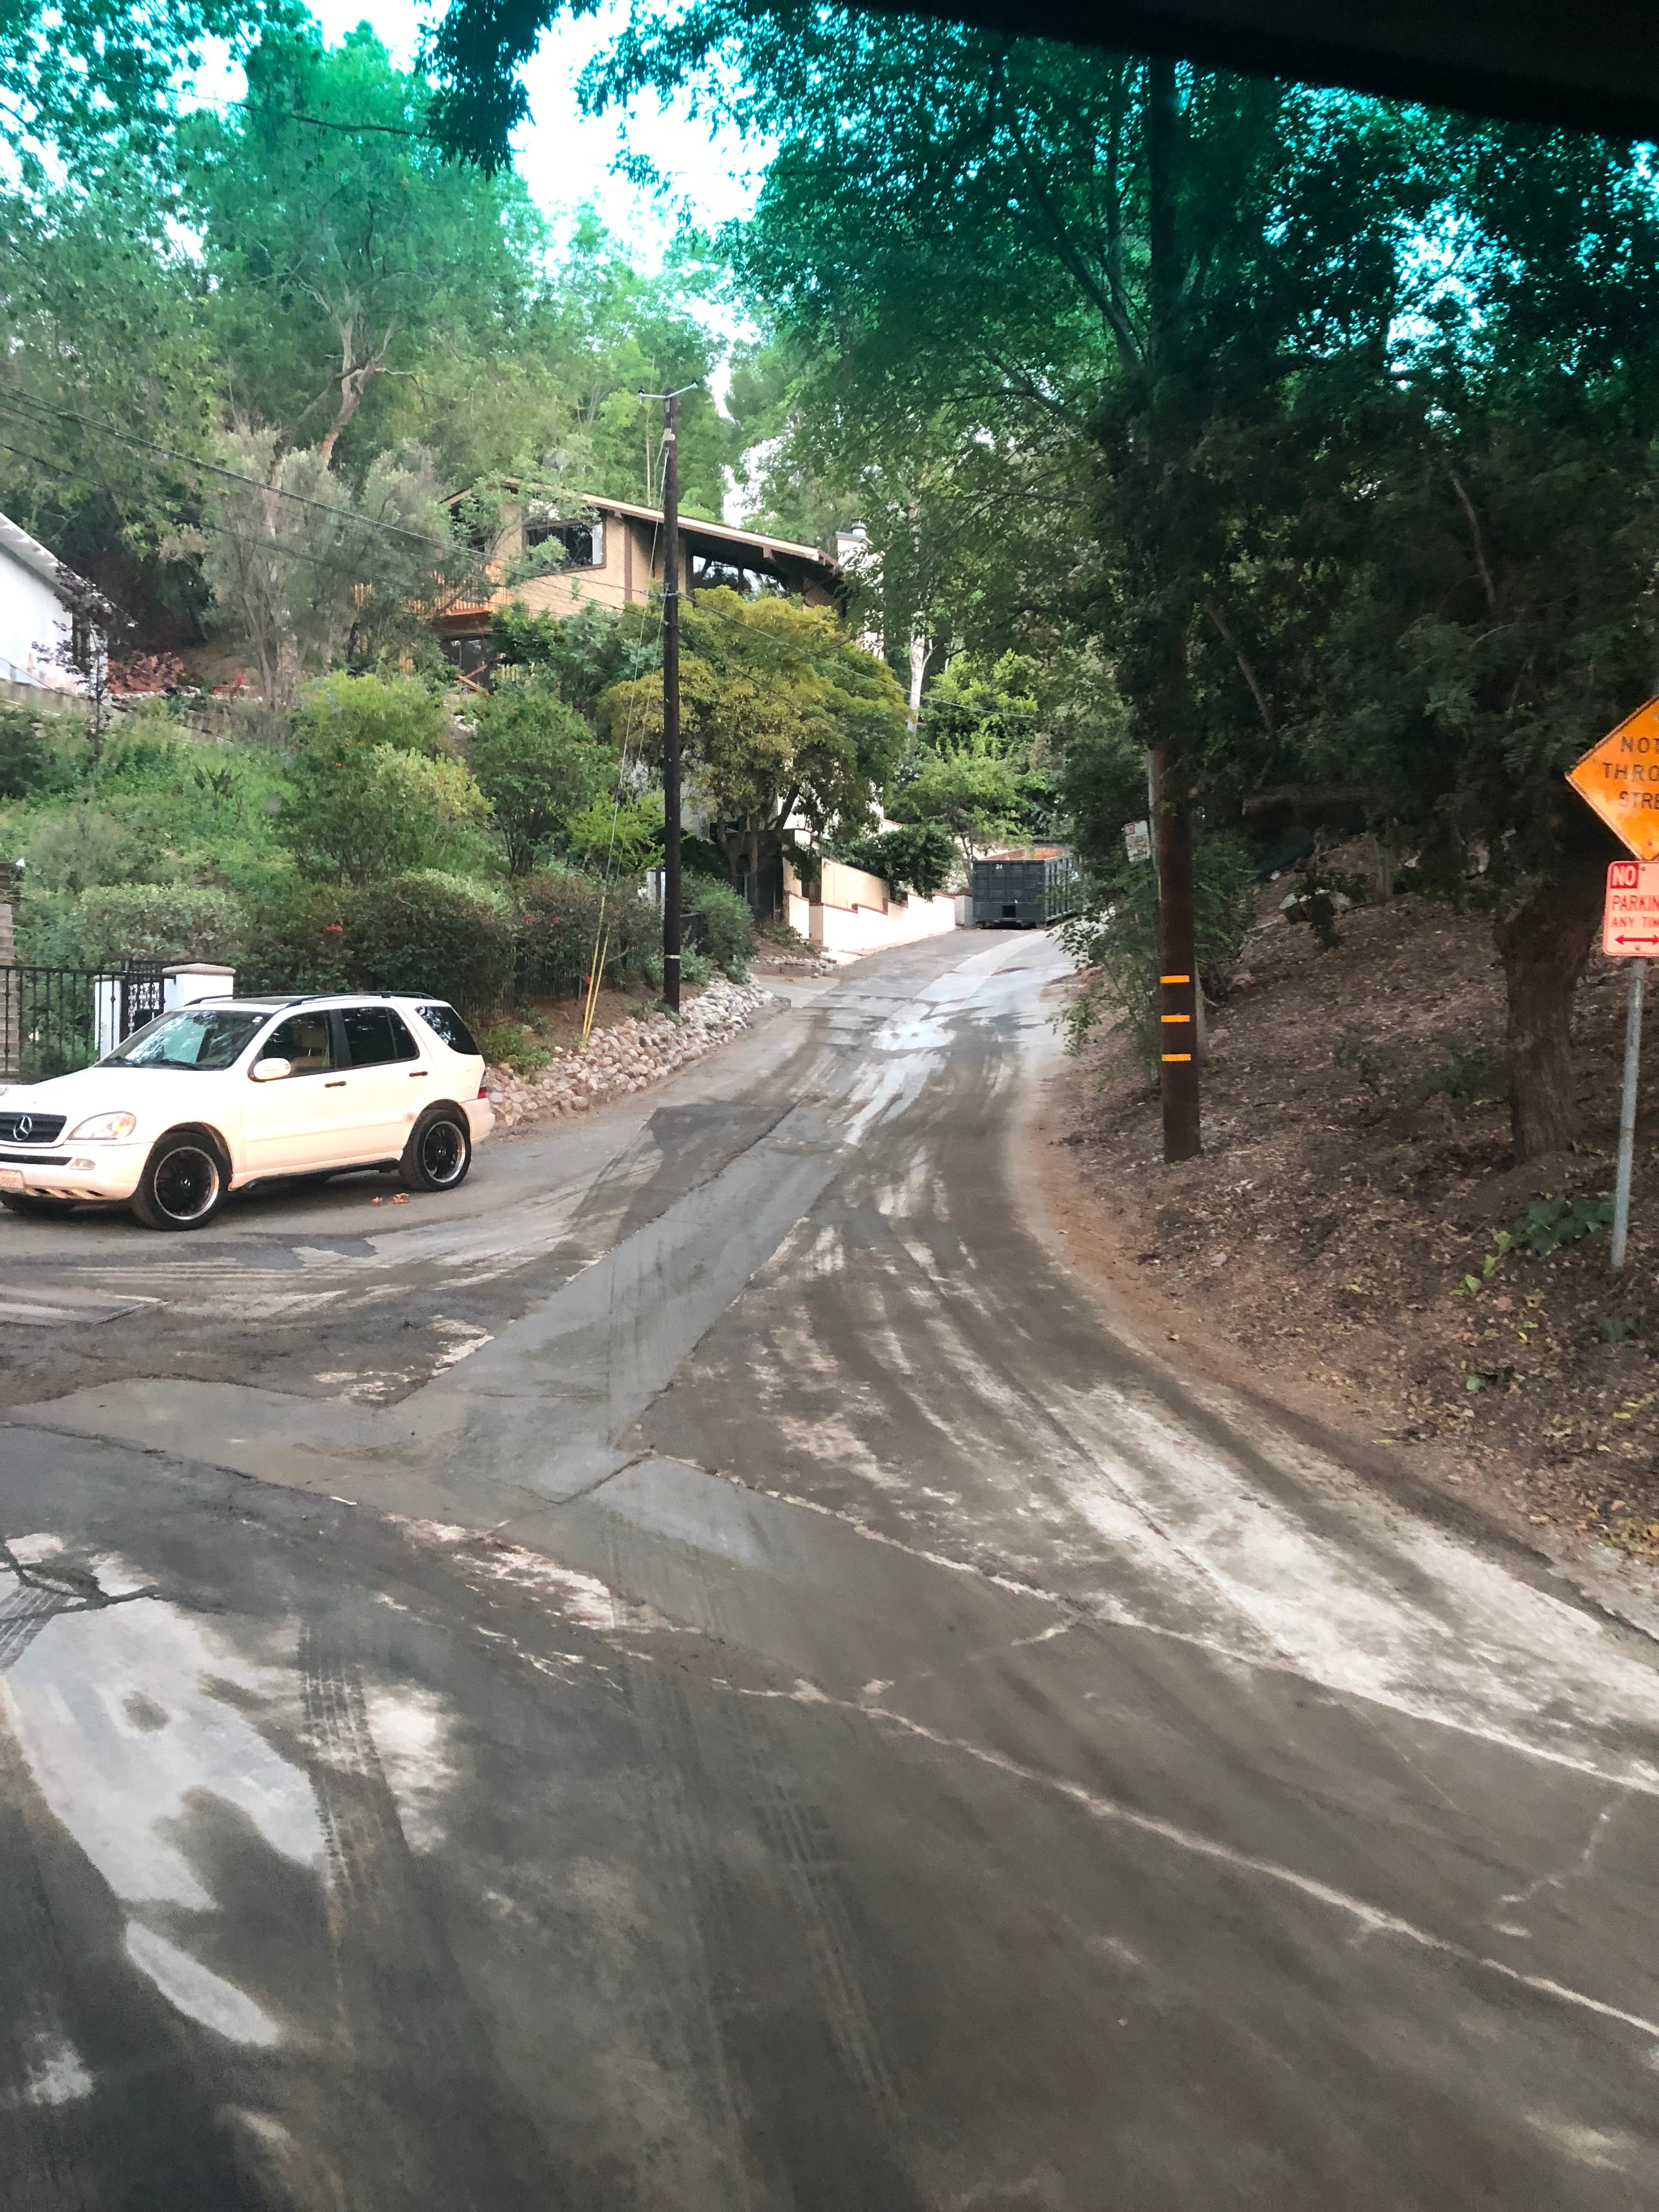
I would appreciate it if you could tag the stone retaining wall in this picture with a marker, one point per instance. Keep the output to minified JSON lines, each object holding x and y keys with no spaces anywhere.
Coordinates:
{"x":626,"y":1058}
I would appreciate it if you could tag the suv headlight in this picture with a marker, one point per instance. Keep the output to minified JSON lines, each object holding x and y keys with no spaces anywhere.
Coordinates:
{"x":108,"y":1128}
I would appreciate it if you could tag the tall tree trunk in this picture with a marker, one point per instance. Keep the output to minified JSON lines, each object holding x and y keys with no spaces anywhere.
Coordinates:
{"x":1544,"y":943}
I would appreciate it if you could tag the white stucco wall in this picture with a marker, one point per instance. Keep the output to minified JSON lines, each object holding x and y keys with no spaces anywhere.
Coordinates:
{"x":867,"y":929}
{"x":35,"y":625}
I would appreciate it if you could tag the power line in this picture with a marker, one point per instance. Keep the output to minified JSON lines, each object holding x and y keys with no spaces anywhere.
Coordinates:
{"x":32,"y":411}
{"x":273,"y":545}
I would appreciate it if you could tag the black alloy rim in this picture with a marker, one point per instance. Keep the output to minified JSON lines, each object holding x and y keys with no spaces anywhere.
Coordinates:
{"x":443,"y":1153}
{"x":187,"y":1183}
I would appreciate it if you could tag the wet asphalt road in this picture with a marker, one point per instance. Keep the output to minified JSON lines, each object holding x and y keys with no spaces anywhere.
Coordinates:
{"x":703,"y":1674}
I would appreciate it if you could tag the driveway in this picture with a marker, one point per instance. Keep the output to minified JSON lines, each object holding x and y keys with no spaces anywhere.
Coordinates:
{"x":704,"y":1673}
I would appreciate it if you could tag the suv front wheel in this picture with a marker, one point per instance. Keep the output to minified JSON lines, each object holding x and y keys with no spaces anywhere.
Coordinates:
{"x":184,"y":1184}
{"x":439,"y":1151}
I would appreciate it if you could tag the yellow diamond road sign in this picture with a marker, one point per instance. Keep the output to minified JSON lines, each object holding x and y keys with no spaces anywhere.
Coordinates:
{"x":1619,"y":778}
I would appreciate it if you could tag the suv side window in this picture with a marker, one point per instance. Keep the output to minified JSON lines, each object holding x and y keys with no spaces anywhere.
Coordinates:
{"x":303,"y":1040}
{"x":444,"y":1022}
{"x":374,"y":1035}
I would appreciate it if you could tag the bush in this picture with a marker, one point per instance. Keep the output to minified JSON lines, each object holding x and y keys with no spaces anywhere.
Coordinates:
{"x":161,"y":921}
{"x":26,"y":758}
{"x":920,"y":857}
{"x":414,"y":933}
{"x":559,"y":924}
{"x":81,"y":846}
{"x":509,"y":1044}
{"x":370,"y":711}
{"x":728,"y":927}
{"x":537,"y":764}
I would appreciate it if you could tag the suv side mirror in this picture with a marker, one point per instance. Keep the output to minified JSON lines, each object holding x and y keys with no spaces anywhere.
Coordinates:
{"x":272,"y":1071}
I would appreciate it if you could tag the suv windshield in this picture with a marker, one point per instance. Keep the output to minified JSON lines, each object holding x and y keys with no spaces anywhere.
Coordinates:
{"x":201,"y":1036}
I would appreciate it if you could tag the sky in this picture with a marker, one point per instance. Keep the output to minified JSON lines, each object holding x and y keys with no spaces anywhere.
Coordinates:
{"x":565,"y":157}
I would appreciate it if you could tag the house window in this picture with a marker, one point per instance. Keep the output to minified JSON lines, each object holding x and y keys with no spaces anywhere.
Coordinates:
{"x":708,"y":574}
{"x":583,"y":541}
{"x":82,"y":637}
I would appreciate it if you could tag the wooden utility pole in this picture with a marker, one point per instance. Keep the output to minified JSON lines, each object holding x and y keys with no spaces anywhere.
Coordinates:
{"x":671,"y":704}
{"x":1177,"y":963}
{"x":1172,"y":825}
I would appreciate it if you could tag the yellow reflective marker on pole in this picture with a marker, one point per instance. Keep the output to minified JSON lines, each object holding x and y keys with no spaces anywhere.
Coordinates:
{"x":1619,"y":778}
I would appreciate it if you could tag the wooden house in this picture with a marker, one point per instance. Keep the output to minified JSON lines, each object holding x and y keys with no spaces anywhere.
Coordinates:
{"x":612,"y":555}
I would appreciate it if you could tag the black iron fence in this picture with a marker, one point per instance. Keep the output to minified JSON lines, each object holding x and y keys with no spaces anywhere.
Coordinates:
{"x":53,"y":1020}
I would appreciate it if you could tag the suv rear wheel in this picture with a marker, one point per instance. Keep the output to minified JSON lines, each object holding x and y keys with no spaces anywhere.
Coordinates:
{"x":439,"y":1151}
{"x":184,"y":1183}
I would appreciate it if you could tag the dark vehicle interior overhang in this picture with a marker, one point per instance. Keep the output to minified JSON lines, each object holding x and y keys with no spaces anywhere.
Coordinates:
{"x":1594,"y":67}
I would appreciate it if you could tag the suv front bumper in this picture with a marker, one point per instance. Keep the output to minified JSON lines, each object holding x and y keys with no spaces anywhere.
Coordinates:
{"x":110,"y":1172}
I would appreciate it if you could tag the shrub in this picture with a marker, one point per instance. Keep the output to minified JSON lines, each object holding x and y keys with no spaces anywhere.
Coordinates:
{"x":510,"y":1045}
{"x":421,"y":932}
{"x":80,"y":847}
{"x":919,"y":857}
{"x":537,"y":764}
{"x":26,"y":758}
{"x":729,"y":928}
{"x":370,"y":711}
{"x":161,"y":921}
{"x":559,"y":924}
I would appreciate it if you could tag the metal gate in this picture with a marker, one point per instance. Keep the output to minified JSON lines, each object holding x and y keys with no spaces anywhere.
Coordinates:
{"x":53,"y":1020}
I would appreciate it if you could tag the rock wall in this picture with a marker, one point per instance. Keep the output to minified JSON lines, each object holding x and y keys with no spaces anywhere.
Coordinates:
{"x":626,"y":1058}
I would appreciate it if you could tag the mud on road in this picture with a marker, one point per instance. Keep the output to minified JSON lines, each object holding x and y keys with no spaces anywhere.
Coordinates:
{"x":809,"y":1713}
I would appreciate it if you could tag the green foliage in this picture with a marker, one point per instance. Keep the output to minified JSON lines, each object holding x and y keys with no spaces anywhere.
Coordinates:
{"x":562,"y":912}
{"x":81,"y":846}
{"x":421,"y":932}
{"x":982,"y":706}
{"x":27,"y":761}
{"x":370,"y":795}
{"x":920,"y":857}
{"x":780,"y":707}
{"x":1467,"y":1071}
{"x":366,"y":711}
{"x":512,"y":1045}
{"x":537,"y":764}
{"x":582,"y":655}
{"x":620,"y":838}
{"x":342,"y":257}
{"x":161,"y":921}
{"x":1117,"y":944}
{"x":1549,"y":1225}
{"x":728,"y":927}
{"x":303,"y":572}
{"x":976,"y":798}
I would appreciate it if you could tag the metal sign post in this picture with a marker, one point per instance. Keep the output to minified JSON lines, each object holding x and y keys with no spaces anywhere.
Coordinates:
{"x":1630,"y":931}
{"x":1638,"y":976}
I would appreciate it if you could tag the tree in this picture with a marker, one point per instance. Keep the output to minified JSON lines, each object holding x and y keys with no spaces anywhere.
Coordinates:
{"x":373,"y":791}
{"x":89,"y":81}
{"x":103,"y":339}
{"x":582,"y":655}
{"x":974,"y":797}
{"x":920,"y":858}
{"x":341,"y":244}
{"x":303,"y":573}
{"x":537,"y":763}
{"x":781,"y":709}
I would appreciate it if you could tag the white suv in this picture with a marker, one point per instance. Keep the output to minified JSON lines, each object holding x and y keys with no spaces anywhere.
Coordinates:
{"x":214,"y":1097}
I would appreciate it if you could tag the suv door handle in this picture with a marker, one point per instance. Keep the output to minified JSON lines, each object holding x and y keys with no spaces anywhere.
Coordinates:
{"x":419,"y":1074}
{"x":338,"y":1083}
